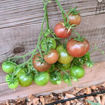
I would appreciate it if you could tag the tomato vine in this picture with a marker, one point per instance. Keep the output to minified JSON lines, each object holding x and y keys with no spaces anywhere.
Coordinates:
{"x":51,"y":60}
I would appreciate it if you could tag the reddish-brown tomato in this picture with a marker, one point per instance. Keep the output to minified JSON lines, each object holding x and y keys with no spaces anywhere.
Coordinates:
{"x":51,"y":57}
{"x":77,"y":48}
{"x":40,"y":66}
{"x":61,"y":31}
{"x":74,"y":19}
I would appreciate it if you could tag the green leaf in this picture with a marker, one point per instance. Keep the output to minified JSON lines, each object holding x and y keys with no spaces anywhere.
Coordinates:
{"x":52,"y":68}
{"x":83,"y":60}
{"x":73,"y":11}
{"x":89,"y":63}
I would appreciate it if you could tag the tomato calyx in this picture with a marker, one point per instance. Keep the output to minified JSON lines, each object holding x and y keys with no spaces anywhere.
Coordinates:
{"x":10,"y":78}
{"x":47,"y":32}
{"x":66,"y":77}
{"x":12,"y":81}
{"x":78,"y":38}
{"x":69,"y":26}
{"x":55,"y":77}
{"x":41,"y":59}
{"x":73,"y":11}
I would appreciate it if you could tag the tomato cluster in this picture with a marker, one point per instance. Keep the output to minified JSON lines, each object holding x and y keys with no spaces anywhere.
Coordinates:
{"x":55,"y":60}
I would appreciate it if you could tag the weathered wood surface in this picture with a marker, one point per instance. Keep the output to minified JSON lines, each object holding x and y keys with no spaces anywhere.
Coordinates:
{"x":93,"y":76}
{"x":20,"y":22}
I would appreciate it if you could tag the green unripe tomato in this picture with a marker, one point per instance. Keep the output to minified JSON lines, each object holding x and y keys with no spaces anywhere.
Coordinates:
{"x":55,"y":78}
{"x":77,"y":72}
{"x":42,"y":78}
{"x":8,"y":66}
{"x":64,"y":57}
{"x":12,"y":81}
{"x":25,"y":79}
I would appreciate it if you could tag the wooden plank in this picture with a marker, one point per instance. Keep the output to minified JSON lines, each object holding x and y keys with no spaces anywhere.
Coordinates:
{"x":95,"y":75}
{"x":92,"y":27}
{"x":19,"y":12}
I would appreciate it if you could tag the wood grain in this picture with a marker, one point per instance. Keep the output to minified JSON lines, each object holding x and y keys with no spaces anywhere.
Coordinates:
{"x":93,"y":27}
{"x":95,"y":75}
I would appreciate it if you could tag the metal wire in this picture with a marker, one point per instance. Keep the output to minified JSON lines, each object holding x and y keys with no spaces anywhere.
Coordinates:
{"x":77,"y":97}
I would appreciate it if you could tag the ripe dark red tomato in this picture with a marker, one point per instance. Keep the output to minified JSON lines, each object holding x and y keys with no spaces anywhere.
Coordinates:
{"x":61,"y":31}
{"x":77,"y":48}
{"x":51,"y":57}
{"x":40,"y":66}
{"x":74,"y":19}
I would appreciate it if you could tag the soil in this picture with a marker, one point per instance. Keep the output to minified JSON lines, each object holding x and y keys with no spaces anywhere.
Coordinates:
{"x":43,"y":100}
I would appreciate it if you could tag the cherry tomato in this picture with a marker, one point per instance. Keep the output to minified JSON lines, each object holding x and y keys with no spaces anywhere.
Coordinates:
{"x":66,"y":66}
{"x":77,"y":48}
{"x":64,"y":57}
{"x":25,"y":79}
{"x":67,"y":79}
{"x":55,"y":78}
{"x":74,"y":19}
{"x":77,"y":72}
{"x":12,"y":81}
{"x":50,"y":43}
{"x":61,"y":31}
{"x":63,"y":66}
{"x":42,"y":78}
{"x":20,"y":70}
{"x":40,"y":66}
{"x":51,"y":57}
{"x":8,"y":66}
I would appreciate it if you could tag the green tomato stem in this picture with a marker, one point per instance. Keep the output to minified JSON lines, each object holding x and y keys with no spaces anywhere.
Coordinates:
{"x":63,"y":13}
{"x":34,"y":51}
{"x":46,"y":13}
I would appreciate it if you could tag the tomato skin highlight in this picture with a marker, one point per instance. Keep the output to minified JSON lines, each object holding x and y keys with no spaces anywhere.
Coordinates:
{"x":77,"y":72}
{"x":39,"y":65}
{"x":77,"y":48}
{"x":64,"y":57}
{"x":8,"y":66}
{"x":51,"y":57}
{"x":74,"y":19}
{"x":61,"y":31}
{"x":41,"y":79}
